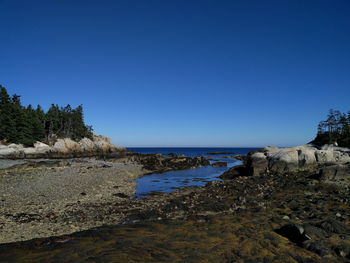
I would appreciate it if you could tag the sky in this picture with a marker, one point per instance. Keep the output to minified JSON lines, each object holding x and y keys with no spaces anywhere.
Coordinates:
{"x":182,"y":72}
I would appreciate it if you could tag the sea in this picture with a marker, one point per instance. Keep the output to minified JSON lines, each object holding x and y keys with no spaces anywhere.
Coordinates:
{"x":170,"y":181}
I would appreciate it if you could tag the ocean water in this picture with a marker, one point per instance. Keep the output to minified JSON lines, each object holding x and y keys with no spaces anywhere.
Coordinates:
{"x":170,"y":181}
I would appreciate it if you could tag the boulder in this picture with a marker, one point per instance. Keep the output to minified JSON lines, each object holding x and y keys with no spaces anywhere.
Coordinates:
{"x":333,"y":226}
{"x":103,"y":144}
{"x":15,"y":146}
{"x":293,"y":232}
{"x":306,"y":156}
{"x":66,"y":146}
{"x":40,"y":148}
{"x":40,"y":145}
{"x":86,"y":145}
{"x":11,"y":153}
{"x":302,"y":158}
{"x":318,"y":247}
{"x":341,"y":157}
{"x":236,"y":171}
{"x":325,"y":156}
{"x":62,"y":148}
{"x":336,"y":173}
{"x":160,"y":163}
{"x":257,"y":163}
{"x":284,"y":160}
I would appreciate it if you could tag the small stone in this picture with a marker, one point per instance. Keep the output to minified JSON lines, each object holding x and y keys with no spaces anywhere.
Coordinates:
{"x":286,"y":218}
{"x":338,"y":215}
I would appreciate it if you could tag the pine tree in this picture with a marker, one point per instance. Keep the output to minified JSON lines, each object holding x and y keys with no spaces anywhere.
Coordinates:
{"x":335,"y":129}
{"x":19,"y":124}
{"x":7,"y":119}
{"x":23,"y":123}
{"x":37,"y":124}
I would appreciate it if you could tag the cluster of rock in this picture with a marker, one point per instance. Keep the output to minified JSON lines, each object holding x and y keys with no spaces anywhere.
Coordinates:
{"x":315,"y":236}
{"x":62,"y":148}
{"x":330,"y":162}
{"x":158,"y":163}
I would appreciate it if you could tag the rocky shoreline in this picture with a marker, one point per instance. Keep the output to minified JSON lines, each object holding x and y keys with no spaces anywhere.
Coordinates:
{"x":98,"y":145}
{"x":260,"y":213}
{"x":45,"y":197}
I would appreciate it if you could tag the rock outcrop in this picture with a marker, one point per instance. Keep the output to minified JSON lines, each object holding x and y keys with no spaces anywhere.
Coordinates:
{"x":158,"y":163}
{"x":62,"y":148}
{"x":329,"y":162}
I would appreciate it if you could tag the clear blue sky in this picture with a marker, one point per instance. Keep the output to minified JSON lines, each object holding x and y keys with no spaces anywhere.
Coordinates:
{"x":182,"y":73}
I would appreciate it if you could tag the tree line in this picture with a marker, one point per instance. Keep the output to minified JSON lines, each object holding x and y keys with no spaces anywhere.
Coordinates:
{"x":335,"y":129}
{"x":26,"y":125}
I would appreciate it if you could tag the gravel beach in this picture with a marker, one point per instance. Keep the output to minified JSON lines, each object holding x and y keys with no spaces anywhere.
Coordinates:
{"x":43,"y":198}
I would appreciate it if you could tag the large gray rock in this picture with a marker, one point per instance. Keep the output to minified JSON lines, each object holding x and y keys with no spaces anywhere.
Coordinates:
{"x":257,"y":163}
{"x":66,"y":146}
{"x":306,"y":156}
{"x":338,"y":173}
{"x":61,"y":148}
{"x":86,"y":145}
{"x":10,"y":153}
{"x":296,"y":159}
{"x":325,"y":156}
{"x":341,"y":157}
{"x":284,"y":160}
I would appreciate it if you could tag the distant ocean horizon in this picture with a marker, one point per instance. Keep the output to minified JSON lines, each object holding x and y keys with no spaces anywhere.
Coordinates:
{"x":192,"y":151}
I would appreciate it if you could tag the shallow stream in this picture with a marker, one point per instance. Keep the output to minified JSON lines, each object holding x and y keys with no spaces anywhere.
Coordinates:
{"x":170,"y":181}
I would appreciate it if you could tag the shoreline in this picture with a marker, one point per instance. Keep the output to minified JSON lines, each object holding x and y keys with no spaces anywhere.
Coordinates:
{"x":240,"y":219}
{"x":294,"y":213}
{"x":50,"y":197}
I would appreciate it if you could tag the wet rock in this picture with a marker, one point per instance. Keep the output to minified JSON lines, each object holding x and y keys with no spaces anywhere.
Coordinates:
{"x":293,"y":232}
{"x":121,"y":195}
{"x":160,"y":163}
{"x":338,"y":172}
{"x":343,"y":251}
{"x":219,"y":164}
{"x":317,"y":247}
{"x":314,"y":232}
{"x":234,"y":172}
{"x":331,"y":225}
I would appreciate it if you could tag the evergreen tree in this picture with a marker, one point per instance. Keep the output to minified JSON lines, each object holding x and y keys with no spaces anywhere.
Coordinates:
{"x":23,"y":123}
{"x":26,"y":125}
{"x":336,"y":129}
{"x":37,"y":124}
{"x":80,"y":130}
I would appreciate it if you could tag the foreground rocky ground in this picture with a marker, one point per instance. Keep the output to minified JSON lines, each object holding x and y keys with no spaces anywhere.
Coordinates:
{"x":47,"y":197}
{"x":265,"y":218}
{"x":255,"y":215}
